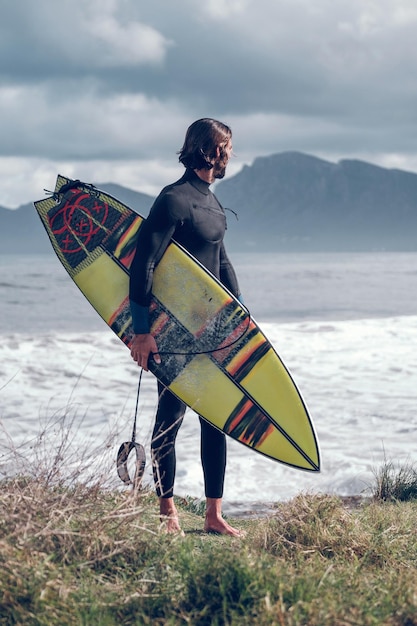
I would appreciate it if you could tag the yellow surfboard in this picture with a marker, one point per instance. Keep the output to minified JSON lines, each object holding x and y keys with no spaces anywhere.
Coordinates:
{"x":214,"y":356}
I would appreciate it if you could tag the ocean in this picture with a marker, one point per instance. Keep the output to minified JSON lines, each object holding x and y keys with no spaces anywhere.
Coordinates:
{"x":344,"y":324}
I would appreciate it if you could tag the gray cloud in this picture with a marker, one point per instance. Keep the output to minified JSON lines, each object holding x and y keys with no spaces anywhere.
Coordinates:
{"x":109,"y":86}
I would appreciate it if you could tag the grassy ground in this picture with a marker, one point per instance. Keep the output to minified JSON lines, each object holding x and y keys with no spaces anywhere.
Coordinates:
{"x":85,"y":556}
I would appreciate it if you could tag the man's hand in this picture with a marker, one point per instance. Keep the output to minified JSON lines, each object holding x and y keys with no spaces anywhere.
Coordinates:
{"x":142,"y":347}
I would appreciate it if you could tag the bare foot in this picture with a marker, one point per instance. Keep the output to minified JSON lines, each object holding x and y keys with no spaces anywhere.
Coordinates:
{"x":215,"y":523}
{"x":169,"y":516}
{"x":171,"y":525}
{"x":221,"y":527}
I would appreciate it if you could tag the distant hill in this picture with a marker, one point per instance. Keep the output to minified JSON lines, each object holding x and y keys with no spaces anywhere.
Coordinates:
{"x":140,"y":202}
{"x":285,"y":202}
{"x":293,"y":201}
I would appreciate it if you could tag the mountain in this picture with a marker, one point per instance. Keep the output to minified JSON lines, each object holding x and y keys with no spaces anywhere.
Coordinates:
{"x":293,"y":201}
{"x":285,"y":202}
{"x":138,"y":201}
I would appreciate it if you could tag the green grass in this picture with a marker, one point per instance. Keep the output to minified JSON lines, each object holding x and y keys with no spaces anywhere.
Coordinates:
{"x":395,"y":482}
{"x":83,"y":555}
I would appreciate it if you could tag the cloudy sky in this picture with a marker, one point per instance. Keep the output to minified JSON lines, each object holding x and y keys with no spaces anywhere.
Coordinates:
{"x":103,"y":90}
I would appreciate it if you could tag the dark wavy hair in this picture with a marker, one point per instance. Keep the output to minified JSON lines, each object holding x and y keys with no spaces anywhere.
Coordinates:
{"x":202,"y":139}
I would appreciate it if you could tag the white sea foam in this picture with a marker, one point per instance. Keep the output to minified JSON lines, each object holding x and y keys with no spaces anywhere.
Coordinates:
{"x":357,"y":376}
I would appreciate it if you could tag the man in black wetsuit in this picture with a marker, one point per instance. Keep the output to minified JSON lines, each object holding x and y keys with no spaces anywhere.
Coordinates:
{"x":188,"y":212}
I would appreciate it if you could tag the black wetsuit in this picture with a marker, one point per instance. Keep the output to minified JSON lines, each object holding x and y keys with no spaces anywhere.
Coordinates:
{"x":188,"y":212}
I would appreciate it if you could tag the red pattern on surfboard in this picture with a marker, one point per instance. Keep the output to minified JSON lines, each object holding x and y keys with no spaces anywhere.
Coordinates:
{"x":77,"y":221}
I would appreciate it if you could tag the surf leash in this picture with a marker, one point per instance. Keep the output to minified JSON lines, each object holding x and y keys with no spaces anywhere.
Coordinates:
{"x":127,"y":447}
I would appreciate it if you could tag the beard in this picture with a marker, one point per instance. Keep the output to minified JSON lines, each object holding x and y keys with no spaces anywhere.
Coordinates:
{"x":219,"y":168}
